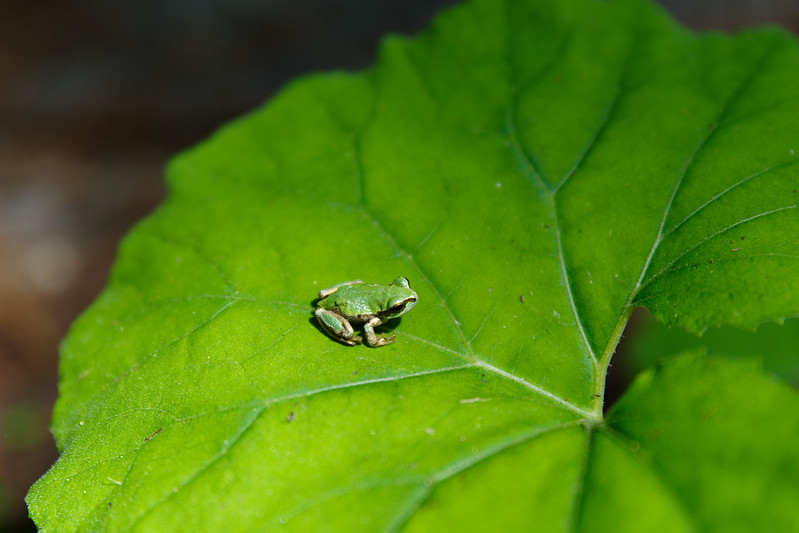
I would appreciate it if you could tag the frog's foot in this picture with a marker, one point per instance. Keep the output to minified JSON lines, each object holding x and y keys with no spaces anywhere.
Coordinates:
{"x":382,"y":341}
{"x":337,"y":327}
{"x":373,"y":340}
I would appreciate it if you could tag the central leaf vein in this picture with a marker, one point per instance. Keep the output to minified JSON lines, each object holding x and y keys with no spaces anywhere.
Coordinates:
{"x":360,"y":180}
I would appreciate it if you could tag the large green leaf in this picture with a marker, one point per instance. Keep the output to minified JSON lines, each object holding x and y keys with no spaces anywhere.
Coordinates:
{"x":687,"y":431}
{"x":537,"y":169}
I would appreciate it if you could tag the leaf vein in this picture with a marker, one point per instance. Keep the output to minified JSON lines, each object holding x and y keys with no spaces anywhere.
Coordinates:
{"x":553,"y":213}
{"x":685,"y":252}
{"x":579,"y":483}
{"x":729,"y":189}
{"x":249,"y":423}
{"x":461,"y":465}
{"x":701,"y":145}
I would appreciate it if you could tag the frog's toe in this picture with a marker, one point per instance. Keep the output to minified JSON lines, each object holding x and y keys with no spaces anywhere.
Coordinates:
{"x":382,"y":341}
{"x":352,"y":341}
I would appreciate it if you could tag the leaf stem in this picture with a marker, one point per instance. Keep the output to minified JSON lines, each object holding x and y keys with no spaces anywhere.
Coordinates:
{"x":601,"y":376}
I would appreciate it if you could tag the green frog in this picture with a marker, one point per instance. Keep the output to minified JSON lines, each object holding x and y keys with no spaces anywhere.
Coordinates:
{"x":362,"y":303}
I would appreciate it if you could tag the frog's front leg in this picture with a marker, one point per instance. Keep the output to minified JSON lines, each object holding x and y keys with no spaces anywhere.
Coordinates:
{"x":373,"y":340}
{"x":324,"y":293}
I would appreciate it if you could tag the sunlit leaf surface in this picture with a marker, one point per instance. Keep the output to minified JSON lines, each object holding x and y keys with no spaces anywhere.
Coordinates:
{"x":536,"y":169}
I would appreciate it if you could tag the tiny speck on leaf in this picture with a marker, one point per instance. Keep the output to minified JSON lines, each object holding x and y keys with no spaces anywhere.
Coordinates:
{"x":521,"y":298}
{"x":290,"y":417}
{"x":156,"y":432}
{"x":735,"y":250}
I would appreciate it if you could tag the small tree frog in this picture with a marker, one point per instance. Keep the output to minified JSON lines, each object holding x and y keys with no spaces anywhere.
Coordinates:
{"x":362,"y":303}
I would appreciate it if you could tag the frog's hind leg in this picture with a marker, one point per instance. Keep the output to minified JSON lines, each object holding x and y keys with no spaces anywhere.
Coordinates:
{"x":373,"y":340}
{"x":324,"y":293}
{"x":336,"y":327}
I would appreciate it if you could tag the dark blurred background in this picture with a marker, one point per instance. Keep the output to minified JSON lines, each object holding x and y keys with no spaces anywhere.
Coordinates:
{"x":96,"y":95}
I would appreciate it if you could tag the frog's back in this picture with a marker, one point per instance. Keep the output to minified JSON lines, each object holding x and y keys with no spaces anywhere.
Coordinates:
{"x":350,"y":300}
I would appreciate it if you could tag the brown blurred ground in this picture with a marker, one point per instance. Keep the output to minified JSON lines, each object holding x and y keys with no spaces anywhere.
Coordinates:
{"x":96,"y":95}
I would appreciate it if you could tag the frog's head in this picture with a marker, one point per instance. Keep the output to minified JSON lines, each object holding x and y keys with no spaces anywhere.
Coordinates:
{"x":401,"y":297}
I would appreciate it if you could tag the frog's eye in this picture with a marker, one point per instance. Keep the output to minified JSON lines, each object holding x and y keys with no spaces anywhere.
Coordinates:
{"x":403,"y":306}
{"x":398,"y":308}
{"x":402,"y":282}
